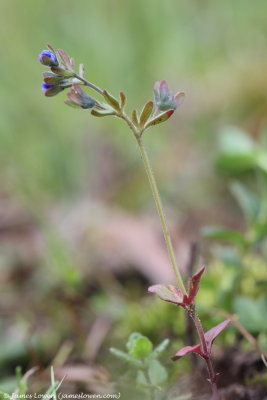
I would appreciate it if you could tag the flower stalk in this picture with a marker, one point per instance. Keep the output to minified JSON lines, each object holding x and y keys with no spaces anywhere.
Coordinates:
{"x":63,"y":75}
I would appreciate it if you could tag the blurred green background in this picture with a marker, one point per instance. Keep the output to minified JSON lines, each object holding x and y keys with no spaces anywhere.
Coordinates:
{"x":214,"y":51}
{"x":53,"y":158}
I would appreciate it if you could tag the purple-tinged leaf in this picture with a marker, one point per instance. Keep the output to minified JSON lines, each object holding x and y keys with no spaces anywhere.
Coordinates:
{"x":193,"y":285}
{"x":78,"y":96}
{"x":72,"y":103}
{"x":160,"y":118}
{"x":168,"y":293}
{"x":146,"y":112}
{"x":187,"y":349}
{"x":72,"y":63}
{"x":53,"y":90}
{"x":211,"y":335}
{"x":62,"y":72}
{"x":66,"y":60}
{"x":111,"y":100}
{"x":135,"y":118}
{"x":51,"y":48}
{"x":55,"y":79}
{"x":179,"y":98}
{"x":81,"y":70}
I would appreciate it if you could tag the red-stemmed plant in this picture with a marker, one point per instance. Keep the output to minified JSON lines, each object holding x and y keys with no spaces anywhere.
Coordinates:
{"x":62,"y":75}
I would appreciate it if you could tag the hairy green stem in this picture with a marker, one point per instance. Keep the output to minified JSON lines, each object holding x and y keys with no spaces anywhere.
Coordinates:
{"x":157,"y":199}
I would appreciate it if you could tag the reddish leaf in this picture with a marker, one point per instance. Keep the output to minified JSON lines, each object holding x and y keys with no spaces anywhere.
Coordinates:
{"x":160,"y":118}
{"x":193,"y":285}
{"x":188,"y":349}
{"x":168,"y":293}
{"x":211,"y":335}
{"x":65,"y":58}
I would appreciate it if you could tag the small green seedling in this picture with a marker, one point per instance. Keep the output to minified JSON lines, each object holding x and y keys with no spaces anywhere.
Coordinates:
{"x":150,"y":373}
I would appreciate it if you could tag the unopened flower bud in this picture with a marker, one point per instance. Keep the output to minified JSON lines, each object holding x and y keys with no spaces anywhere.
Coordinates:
{"x":47,"y":57}
{"x":78,"y":98}
{"x":164,"y":99}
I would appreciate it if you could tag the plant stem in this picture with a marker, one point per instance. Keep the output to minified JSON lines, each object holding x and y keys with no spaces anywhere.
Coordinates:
{"x":87,"y":83}
{"x":204,"y":349}
{"x":192,"y":312}
{"x":154,"y":188}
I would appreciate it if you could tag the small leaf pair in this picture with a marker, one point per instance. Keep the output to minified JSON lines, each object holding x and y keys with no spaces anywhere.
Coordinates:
{"x":210,"y":336}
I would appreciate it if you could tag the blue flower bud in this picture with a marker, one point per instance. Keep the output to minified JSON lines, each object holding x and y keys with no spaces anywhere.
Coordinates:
{"x":47,"y":57}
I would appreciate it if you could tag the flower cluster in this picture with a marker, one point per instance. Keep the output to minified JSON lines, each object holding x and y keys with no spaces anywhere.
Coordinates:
{"x":57,"y":79}
{"x":62,"y":76}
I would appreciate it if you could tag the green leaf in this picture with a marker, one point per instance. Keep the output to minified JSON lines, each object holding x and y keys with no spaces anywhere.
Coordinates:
{"x":262,"y":161}
{"x":111,"y":100}
{"x":157,"y":373}
{"x":247,"y":201}
{"x":123,"y":100}
{"x":146,"y":112}
{"x":139,"y":346}
{"x":252,"y":313}
{"x":237,"y":151}
{"x":221,"y":233}
{"x":160,"y":118}
{"x":160,"y":348}
{"x":141,"y":379}
{"x":102,"y":113}
{"x":126,"y":357}
{"x":131,"y":340}
{"x":135,"y":118}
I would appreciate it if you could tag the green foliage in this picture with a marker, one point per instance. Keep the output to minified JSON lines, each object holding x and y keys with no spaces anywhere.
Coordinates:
{"x":252,"y":313}
{"x":150,"y":374}
{"x":139,"y":346}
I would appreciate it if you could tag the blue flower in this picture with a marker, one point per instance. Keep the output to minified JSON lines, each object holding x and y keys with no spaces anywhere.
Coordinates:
{"x":47,"y":57}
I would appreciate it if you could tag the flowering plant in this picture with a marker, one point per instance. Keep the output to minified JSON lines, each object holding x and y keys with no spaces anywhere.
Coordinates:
{"x":62,"y":75}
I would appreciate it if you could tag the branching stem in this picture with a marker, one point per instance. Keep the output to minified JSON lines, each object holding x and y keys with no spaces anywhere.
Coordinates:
{"x":153,"y":185}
